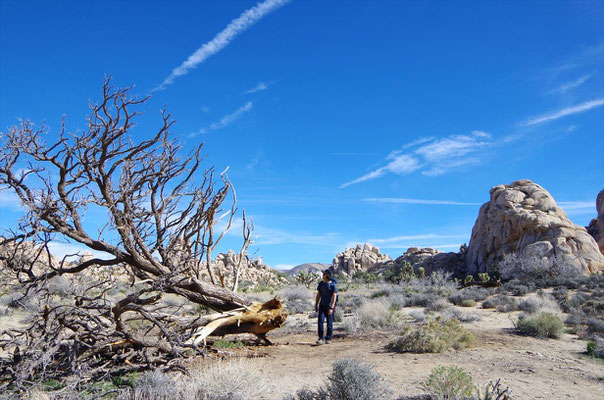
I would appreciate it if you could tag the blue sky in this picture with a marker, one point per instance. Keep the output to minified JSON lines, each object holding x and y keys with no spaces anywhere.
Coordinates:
{"x":342,"y":122}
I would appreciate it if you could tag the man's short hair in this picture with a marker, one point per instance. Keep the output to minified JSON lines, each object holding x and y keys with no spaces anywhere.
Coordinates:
{"x":327,"y":273}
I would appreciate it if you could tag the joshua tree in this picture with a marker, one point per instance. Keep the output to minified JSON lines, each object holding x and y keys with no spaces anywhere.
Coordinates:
{"x":159,"y":208}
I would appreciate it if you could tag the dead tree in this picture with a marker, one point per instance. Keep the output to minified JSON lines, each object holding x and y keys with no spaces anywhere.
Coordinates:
{"x":159,"y":209}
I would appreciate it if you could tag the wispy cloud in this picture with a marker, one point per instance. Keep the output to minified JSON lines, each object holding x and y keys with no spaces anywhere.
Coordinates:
{"x":573,"y":84}
{"x":222,"y":39}
{"x":579,"y":207}
{"x":432,"y":156}
{"x":427,"y":236}
{"x":398,"y":200}
{"x":226,"y":120}
{"x":588,"y":105}
{"x":260,"y":87}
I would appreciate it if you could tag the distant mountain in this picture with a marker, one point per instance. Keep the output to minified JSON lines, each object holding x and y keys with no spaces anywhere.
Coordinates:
{"x":305,"y":267}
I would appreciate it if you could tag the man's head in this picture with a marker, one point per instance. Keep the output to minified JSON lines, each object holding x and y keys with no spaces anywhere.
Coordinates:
{"x":326,"y":275}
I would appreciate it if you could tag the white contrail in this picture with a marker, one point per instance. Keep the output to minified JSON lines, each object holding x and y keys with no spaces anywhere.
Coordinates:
{"x":588,"y":105}
{"x":238,"y":25}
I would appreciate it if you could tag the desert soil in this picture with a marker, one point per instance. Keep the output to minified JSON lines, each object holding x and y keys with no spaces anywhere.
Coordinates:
{"x":533,"y":368}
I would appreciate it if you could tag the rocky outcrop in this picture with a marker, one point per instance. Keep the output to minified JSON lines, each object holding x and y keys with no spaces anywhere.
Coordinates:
{"x":308,"y":267}
{"x":524,"y":216}
{"x":252,"y":271}
{"x":596,"y":226}
{"x":432,"y":260}
{"x":360,"y":258}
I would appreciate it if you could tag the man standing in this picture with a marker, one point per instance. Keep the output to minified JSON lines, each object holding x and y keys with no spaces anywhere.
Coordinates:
{"x":325,"y":305}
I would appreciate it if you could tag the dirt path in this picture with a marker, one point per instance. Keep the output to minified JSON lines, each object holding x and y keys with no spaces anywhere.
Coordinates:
{"x":533,"y":368}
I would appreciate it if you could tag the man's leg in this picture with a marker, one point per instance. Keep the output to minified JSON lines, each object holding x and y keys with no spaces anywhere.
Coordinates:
{"x":330,"y":325}
{"x":321,"y":320}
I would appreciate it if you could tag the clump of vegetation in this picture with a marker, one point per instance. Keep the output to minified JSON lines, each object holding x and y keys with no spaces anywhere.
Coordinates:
{"x":153,"y":385}
{"x":307,"y":279}
{"x":433,"y":337}
{"x":595,"y":347}
{"x":449,"y":383}
{"x":349,"y":380}
{"x":494,"y":391}
{"x":533,"y":265}
{"x":471,"y":293}
{"x":539,"y":303}
{"x":501,"y":303}
{"x":543,"y":325}
{"x":227,"y":344}
{"x":374,"y":314}
{"x":468,"y":303}
{"x":298,"y":299}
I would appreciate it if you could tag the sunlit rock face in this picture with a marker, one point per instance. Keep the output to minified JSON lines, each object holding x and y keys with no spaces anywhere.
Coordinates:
{"x":360,"y":258}
{"x":524,"y":216}
{"x":596,"y":226}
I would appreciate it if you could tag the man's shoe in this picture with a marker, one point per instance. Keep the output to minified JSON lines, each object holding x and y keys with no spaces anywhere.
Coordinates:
{"x":320,"y":341}
{"x":328,"y":341}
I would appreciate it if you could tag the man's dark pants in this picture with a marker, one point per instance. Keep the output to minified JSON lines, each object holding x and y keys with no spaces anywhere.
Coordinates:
{"x":323,"y":314}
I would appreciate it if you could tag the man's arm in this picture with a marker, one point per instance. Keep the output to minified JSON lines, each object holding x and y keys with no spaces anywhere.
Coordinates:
{"x":332,"y":304}
{"x":317,"y":301}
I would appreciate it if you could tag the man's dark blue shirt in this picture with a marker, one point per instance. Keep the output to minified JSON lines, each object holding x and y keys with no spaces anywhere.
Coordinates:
{"x":326,"y":290}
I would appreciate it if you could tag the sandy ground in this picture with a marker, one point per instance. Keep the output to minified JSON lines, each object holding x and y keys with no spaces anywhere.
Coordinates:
{"x":533,"y":368}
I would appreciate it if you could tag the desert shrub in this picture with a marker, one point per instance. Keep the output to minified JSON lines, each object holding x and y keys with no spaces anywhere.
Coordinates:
{"x":595,"y":347}
{"x":449,"y":383}
{"x":373,"y":314}
{"x":501,"y":303}
{"x":533,"y":265}
{"x":153,"y":385}
{"x":350,"y":302}
{"x":595,"y":325}
{"x":468,"y":303}
{"x":232,"y":380}
{"x":418,"y":316}
{"x":434,"y":336}
{"x":539,"y":303}
{"x":542,"y":325}
{"x":349,"y":380}
{"x":298,"y":299}
{"x":227,"y":344}
{"x":422,"y":300}
{"x":472,"y":293}
{"x":494,"y":391}
{"x":397,"y":301}
{"x":439,"y":304}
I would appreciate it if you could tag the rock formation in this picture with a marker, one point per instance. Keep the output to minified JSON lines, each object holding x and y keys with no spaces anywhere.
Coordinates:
{"x":596,"y":226}
{"x":522,"y":216}
{"x":308,"y":267}
{"x":253,"y":272}
{"x":365,"y":258}
{"x":431,"y":260}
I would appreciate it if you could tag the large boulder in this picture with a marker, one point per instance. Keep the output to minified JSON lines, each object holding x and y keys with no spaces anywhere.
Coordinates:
{"x":524,"y":216}
{"x":596,"y":226}
{"x":433,"y":260}
{"x":360,"y":258}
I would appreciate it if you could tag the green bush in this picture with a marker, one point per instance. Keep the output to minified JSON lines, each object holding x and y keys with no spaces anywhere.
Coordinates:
{"x":449,"y":383}
{"x":433,"y":337}
{"x":468,"y":303}
{"x":542,"y":325}
{"x":349,"y":380}
{"x":226,"y":344}
{"x":595,"y":347}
